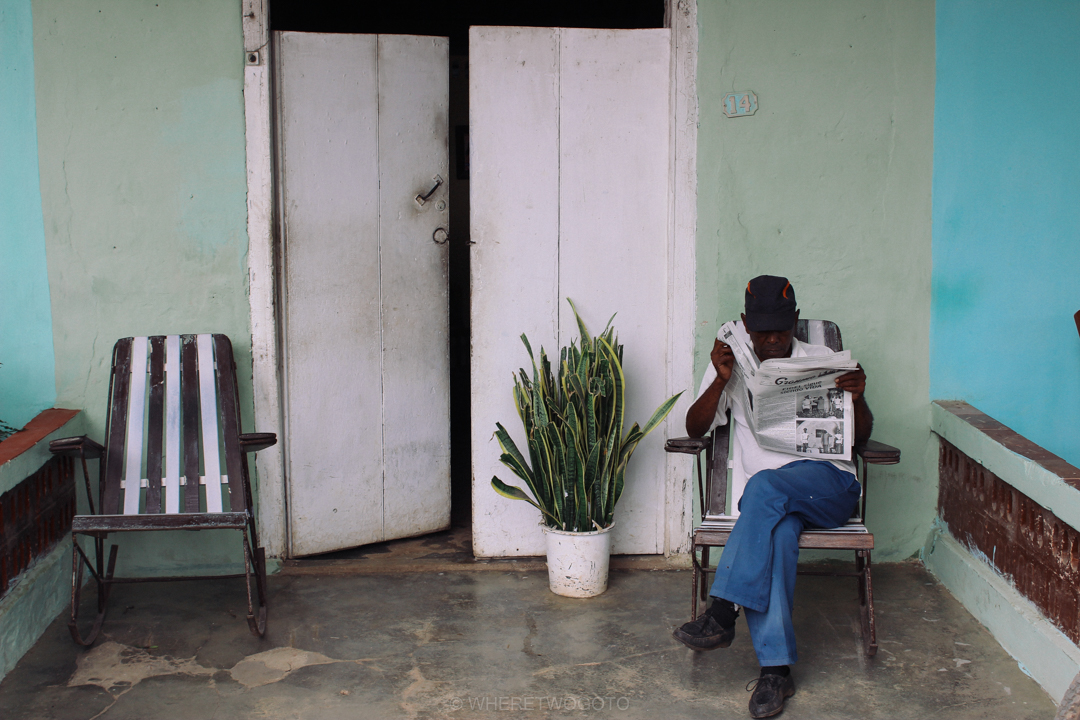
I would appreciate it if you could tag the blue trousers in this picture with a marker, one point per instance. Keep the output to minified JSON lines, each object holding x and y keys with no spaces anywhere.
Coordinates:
{"x":758,"y":565}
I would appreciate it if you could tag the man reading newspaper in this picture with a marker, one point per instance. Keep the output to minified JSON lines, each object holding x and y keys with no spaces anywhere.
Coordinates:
{"x":786,"y":491}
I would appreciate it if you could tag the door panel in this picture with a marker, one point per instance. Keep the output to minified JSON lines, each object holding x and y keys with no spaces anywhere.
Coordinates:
{"x":613,"y":229}
{"x":413,"y":102}
{"x":569,"y":195}
{"x":514,"y":200}
{"x":362,"y":128}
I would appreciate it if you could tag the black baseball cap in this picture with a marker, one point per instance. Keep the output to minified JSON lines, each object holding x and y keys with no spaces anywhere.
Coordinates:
{"x":770,"y":304}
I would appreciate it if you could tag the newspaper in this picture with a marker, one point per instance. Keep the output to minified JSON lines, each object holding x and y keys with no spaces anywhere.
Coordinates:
{"x":793,"y":404}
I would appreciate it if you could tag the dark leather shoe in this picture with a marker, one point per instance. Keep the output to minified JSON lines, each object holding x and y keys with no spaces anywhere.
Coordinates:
{"x":770,"y":692}
{"x":705,"y":633}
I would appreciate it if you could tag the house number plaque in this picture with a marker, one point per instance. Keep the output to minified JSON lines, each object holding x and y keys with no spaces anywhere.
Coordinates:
{"x":740,"y":104}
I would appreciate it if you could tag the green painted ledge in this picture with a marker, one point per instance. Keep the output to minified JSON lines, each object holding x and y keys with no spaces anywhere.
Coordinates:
{"x":44,"y":589}
{"x":1042,"y":476}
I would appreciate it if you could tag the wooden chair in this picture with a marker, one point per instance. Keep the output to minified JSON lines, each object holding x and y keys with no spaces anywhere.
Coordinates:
{"x":173,"y":409}
{"x":717,"y":518}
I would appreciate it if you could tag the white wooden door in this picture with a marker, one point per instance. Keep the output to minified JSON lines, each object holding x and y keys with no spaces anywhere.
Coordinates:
{"x":569,"y":176}
{"x":362,"y":128}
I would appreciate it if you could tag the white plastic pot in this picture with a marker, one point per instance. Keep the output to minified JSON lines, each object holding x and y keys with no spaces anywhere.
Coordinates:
{"x":578,"y":561}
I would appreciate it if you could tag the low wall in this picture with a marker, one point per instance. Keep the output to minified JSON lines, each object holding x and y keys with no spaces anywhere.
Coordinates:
{"x":1007,"y":540}
{"x":41,"y":589}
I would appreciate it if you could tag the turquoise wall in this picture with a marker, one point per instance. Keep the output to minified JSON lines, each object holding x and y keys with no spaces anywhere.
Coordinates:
{"x":1007,"y":215}
{"x":27,"y":378}
{"x":829,"y":184}
{"x":140,"y":115}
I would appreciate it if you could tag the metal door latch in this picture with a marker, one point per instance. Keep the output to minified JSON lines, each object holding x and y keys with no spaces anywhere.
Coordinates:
{"x":421,"y":199}
{"x":440,"y":236}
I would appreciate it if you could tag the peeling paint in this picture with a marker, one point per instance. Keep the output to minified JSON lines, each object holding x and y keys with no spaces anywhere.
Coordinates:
{"x":118,"y":668}
{"x":274,"y":665}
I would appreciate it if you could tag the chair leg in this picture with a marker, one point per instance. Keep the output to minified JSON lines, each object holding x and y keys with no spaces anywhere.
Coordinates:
{"x":102,"y":577}
{"x":866,"y":603}
{"x":704,"y":574}
{"x":255,"y":560}
{"x":694,"y":584}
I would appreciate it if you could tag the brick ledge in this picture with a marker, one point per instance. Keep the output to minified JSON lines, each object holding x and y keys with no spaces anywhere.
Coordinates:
{"x":36,"y":430}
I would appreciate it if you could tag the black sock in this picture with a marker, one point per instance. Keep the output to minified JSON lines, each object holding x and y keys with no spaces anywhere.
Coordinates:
{"x":781,"y":670}
{"x":723,"y":611}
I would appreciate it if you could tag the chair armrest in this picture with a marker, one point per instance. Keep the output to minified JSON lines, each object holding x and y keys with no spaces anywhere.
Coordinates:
{"x":877,"y":453}
{"x":253,"y":442}
{"x":688,"y":445}
{"x":81,"y":446}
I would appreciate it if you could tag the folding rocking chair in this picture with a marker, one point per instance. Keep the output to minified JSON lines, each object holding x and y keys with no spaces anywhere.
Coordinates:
{"x":717,"y":510}
{"x":173,"y":409}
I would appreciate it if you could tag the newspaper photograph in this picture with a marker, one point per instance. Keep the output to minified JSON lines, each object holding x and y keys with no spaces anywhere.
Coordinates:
{"x":793,"y":404}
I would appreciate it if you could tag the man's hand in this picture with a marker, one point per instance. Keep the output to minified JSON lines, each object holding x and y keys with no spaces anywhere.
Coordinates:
{"x":723,"y":360}
{"x":699,"y":418}
{"x":854,"y":382}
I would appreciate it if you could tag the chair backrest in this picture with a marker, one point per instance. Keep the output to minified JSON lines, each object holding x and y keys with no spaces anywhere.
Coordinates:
{"x":173,"y":427}
{"x":718,"y":454}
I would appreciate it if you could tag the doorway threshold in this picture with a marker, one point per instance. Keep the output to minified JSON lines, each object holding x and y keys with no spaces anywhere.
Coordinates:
{"x":446,"y":551}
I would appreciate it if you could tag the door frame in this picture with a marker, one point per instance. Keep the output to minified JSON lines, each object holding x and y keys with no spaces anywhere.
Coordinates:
{"x":263,"y":264}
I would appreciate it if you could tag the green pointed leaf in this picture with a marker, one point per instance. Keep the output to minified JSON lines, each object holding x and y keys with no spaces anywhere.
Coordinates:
{"x":510,"y":448}
{"x":586,"y":339}
{"x":593,"y":480}
{"x":660,"y":414}
{"x":515,"y":493}
{"x":539,"y":407}
{"x":619,"y":388}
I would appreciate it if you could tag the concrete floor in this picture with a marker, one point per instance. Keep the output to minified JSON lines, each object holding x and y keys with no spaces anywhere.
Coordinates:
{"x":353,"y":637}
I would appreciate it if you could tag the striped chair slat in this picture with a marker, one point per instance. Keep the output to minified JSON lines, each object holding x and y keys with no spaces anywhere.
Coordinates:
{"x":134,"y":441}
{"x":172,"y":424}
{"x":154,"y":424}
{"x":117,"y":426}
{"x":189,"y":398}
{"x":208,"y":404}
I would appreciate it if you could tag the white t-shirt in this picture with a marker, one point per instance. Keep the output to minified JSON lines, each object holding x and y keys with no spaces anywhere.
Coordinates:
{"x":748,"y":457}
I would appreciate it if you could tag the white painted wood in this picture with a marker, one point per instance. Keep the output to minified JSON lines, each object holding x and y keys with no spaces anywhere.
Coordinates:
{"x":333,"y":357}
{"x":133,"y":443}
{"x":570,"y":179}
{"x":363,"y":128}
{"x":514,"y":196}
{"x":682,"y":238}
{"x":413,"y":131}
{"x":613,"y":251}
{"x":172,"y":424}
{"x":268,"y":483}
{"x":255,"y":16}
{"x":208,"y":401}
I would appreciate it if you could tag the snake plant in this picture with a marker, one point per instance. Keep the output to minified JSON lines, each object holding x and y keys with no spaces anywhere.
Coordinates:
{"x":574,"y":424}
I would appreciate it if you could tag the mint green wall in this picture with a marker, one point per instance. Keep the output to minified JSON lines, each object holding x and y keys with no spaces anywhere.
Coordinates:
{"x":27,"y":379}
{"x":829,"y":184}
{"x":141,"y":145}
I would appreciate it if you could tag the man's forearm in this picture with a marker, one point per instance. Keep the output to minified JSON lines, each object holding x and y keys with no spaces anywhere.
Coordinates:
{"x":699,"y":418}
{"x":864,"y":421}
